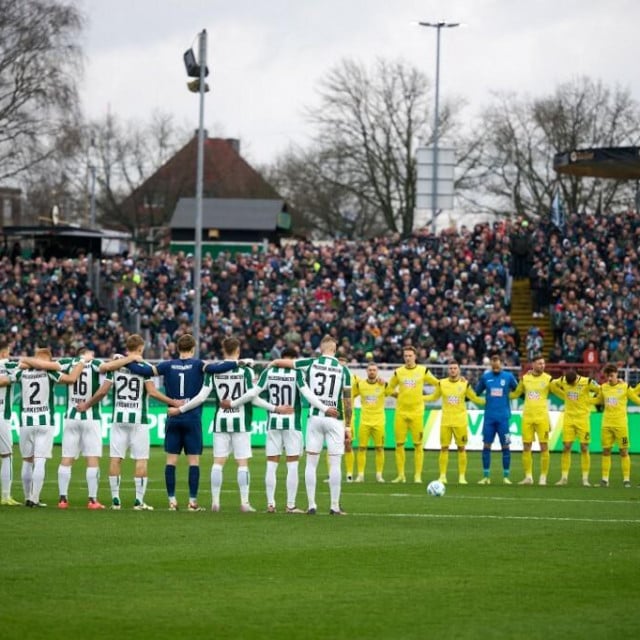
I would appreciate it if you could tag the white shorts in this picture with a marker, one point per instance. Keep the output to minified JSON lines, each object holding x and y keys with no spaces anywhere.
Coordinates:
{"x":238,"y":443}
{"x":134,"y":437}
{"x":81,"y":437}
{"x":36,"y":442}
{"x":6,"y":441}
{"x":321,"y":429}
{"x":287,"y":440}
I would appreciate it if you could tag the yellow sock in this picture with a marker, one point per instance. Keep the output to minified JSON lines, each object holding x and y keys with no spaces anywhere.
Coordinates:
{"x":462,"y":463}
{"x":443,"y":461}
{"x":418,"y":459}
{"x":379,"y":460}
{"x":349,"y":458}
{"x":585,"y":463}
{"x":362,"y":461}
{"x":625,"y":464}
{"x":400,"y":460}
{"x":565,"y":463}
{"x":606,"y":467}
{"x":527,"y":464}
{"x":544,"y":462}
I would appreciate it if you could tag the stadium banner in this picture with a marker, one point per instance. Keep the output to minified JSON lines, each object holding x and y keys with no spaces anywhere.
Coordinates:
{"x":158,"y":418}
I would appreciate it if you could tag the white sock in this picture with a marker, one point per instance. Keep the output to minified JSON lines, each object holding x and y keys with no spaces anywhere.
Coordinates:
{"x":93,"y":475}
{"x":27,"y":476}
{"x":270,"y":482}
{"x":114,"y":484}
{"x":38,"y":479}
{"x":216,"y":483}
{"x":292,"y":483}
{"x":141,"y":488}
{"x":310,"y":478}
{"x":335,"y":481}
{"x":6,"y":476}
{"x":64,"y":478}
{"x":243,"y":484}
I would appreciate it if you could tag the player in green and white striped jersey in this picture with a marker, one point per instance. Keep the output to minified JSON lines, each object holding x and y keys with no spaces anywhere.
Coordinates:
{"x":82,"y":432}
{"x":35,"y":414}
{"x":129,"y":429}
{"x":231,"y":426}
{"x":330,"y":381}
{"x":284,"y":386}
{"x":6,"y":441}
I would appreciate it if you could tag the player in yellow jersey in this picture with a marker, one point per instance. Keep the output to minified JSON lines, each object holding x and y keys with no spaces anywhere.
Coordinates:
{"x":371,"y":391}
{"x":614,"y":395}
{"x":454,"y":391}
{"x":535,"y":385}
{"x":579,"y":394}
{"x":406,"y":385}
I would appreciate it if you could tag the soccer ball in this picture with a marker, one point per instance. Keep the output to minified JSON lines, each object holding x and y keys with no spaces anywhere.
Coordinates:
{"x":436,"y":489}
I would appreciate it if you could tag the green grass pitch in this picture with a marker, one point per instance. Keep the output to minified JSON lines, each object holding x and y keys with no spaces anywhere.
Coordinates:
{"x":481,"y":562}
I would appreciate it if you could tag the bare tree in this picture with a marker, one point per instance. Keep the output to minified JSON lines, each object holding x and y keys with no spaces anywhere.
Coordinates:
{"x":522,"y":135}
{"x":40,"y":62}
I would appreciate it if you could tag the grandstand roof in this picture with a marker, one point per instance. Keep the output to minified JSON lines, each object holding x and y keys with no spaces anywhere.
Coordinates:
{"x":229,"y":213}
{"x":618,"y":163}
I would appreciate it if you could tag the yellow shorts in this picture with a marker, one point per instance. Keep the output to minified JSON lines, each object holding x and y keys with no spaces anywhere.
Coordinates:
{"x":536,"y":427}
{"x":610,"y":435}
{"x":459,"y":434}
{"x":406,"y":423}
{"x":375,"y":431}
{"x":573,"y":431}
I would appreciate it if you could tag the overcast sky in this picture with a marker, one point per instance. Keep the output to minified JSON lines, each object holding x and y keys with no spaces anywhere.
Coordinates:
{"x":267,"y":56}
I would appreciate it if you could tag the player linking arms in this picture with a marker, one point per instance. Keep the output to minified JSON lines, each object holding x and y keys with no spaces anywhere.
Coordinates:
{"x":579,"y":395}
{"x":406,"y":385}
{"x":454,"y":391}
{"x":614,"y":395}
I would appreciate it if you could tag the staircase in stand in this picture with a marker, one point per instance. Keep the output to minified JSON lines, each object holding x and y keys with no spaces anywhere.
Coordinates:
{"x":522,"y":317}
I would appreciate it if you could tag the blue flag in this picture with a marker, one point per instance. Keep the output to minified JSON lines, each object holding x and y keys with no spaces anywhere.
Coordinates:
{"x":557,"y":211}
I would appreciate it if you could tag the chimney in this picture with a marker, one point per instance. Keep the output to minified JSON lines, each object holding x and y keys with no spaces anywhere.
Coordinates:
{"x":234,"y":143}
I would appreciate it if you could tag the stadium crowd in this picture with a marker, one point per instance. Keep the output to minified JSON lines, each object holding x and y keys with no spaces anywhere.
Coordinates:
{"x":448,"y":295}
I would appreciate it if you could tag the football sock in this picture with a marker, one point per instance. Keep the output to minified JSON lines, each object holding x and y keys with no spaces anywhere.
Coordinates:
{"x":418,"y":458}
{"x":335,"y":481}
{"x":292,"y":483}
{"x":565,"y":463}
{"x":506,"y":462}
{"x":625,"y":465}
{"x":400,"y":460}
{"x":27,"y":475}
{"x":310,"y":469}
{"x":216,"y":483}
{"x":606,"y":467}
{"x":544,"y":462}
{"x":141,"y":488}
{"x":362,"y":461}
{"x":6,"y":468}
{"x":486,"y":461}
{"x":462,"y":463}
{"x":527,"y":463}
{"x":194,"y":481}
{"x":38,"y":479}
{"x":270,"y":482}
{"x":443,"y":461}
{"x":379,"y":460}
{"x":92,"y":475}
{"x":585,"y":463}
{"x":243,"y":484}
{"x":170,"y":479}
{"x":64,"y":478}
{"x":349,"y":457}
{"x":114,"y":485}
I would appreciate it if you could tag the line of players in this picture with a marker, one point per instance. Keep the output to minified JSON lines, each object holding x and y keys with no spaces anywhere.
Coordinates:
{"x":189,"y":382}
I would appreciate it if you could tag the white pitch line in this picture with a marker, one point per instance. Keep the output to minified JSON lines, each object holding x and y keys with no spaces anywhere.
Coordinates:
{"x":442,"y":516}
{"x":519,"y":498}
